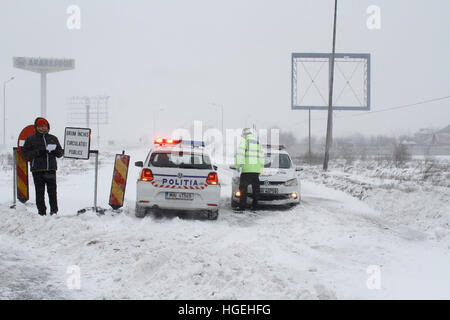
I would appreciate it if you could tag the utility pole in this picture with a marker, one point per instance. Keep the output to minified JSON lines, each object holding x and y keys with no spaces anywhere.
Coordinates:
{"x":330,"y":96}
{"x":309,"y":137}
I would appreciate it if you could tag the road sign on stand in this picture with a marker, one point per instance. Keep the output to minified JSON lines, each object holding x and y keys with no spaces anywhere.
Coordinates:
{"x":119,"y":180}
{"x":77,"y":143}
{"x":20,"y":170}
{"x":22,"y":177}
{"x":24,"y":134}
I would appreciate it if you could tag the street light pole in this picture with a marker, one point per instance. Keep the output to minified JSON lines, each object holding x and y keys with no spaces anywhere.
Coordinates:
{"x":4,"y":109}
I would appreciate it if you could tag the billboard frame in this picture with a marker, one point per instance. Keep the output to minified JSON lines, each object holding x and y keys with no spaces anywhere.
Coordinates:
{"x":365,"y":56}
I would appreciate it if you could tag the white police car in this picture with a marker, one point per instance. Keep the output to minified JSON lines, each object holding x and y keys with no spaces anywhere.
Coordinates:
{"x":178,"y":175}
{"x":279,"y":184}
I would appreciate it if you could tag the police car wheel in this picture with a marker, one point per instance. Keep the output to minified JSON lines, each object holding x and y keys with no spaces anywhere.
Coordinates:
{"x":140,"y":211}
{"x":212,"y":215}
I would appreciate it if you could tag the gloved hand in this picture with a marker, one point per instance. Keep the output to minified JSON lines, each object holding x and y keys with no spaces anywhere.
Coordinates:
{"x":42,"y":152}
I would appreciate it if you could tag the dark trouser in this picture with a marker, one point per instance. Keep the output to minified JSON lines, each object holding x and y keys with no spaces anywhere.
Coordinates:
{"x":42,"y":178}
{"x":246,"y":179}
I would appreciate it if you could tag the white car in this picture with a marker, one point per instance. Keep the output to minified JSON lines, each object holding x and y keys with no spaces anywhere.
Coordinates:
{"x":178,"y":175}
{"x":279,"y":184}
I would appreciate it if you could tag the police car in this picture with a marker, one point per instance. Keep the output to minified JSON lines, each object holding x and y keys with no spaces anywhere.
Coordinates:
{"x":279,"y":184}
{"x":178,"y":175}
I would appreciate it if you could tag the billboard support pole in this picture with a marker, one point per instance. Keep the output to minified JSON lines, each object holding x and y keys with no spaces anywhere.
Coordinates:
{"x":330,"y":96}
{"x":43,"y":94}
{"x":43,"y":66}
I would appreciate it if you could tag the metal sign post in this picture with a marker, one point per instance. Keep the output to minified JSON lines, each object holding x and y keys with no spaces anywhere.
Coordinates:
{"x":95,"y":181}
{"x":77,"y":145}
{"x":13,"y":206}
{"x":95,"y":208}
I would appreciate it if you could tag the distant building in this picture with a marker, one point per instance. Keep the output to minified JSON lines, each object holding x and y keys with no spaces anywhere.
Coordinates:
{"x":445,"y":130}
{"x":441,"y":139}
{"x":408,"y":142}
{"x":424,"y":136}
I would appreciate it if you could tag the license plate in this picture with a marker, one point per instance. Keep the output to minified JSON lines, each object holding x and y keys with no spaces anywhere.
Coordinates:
{"x":179,"y":196}
{"x":269,"y":190}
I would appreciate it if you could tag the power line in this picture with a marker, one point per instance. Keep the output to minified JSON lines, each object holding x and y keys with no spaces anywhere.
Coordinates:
{"x":378,"y":111}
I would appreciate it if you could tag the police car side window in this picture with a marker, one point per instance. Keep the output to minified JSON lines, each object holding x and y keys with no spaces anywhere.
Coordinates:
{"x":274,"y":160}
{"x":267,"y":160}
{"x":285,"y":162}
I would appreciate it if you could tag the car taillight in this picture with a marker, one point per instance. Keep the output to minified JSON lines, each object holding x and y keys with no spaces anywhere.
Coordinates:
{"x":146,"y":175}
{"x":212,"y":178}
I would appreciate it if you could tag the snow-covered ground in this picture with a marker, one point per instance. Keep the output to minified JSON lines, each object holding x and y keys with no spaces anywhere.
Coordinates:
{"x":325,"y":248}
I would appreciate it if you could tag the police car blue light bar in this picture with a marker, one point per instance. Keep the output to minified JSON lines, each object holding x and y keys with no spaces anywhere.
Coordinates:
{"x":171,"y":142}
{"x":193,"y":143}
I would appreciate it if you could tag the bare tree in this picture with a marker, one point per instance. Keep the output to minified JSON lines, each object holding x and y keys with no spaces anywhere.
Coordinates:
{"x":401,"y":154}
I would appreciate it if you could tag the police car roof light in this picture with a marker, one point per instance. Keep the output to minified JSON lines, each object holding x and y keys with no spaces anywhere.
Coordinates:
{"x":193,"y":143}
{"x":160,"y":141}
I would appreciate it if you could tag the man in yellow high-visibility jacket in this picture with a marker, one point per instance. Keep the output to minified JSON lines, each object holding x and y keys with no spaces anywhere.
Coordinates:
{"x":250,"y":158}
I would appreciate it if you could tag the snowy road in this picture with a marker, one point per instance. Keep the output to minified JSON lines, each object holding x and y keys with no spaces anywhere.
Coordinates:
{"x":321,"y":249}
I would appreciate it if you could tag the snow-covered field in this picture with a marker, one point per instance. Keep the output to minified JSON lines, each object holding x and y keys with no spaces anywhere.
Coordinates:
{"x":350,"y":222}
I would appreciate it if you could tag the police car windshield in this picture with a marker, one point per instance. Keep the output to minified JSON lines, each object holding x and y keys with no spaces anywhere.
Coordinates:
{"x":277,"y":160}
{"x":180,"y":159}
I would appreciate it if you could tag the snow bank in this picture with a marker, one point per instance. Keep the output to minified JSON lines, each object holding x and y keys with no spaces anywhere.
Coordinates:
{"x":320,"y":249}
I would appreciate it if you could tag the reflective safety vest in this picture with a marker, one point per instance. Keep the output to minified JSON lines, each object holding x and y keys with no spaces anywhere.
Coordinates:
{"x":250,"y":156}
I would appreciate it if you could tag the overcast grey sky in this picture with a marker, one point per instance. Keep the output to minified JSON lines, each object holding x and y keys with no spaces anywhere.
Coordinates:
{"x":182,"y":55}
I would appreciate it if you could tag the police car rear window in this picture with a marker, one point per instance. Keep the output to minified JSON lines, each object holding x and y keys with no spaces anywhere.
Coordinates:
{"x":180,"y":159}
{"x":277,"y":160}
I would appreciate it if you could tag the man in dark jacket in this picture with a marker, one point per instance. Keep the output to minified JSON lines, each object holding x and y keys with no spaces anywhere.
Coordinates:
{"x":42,"y":149}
